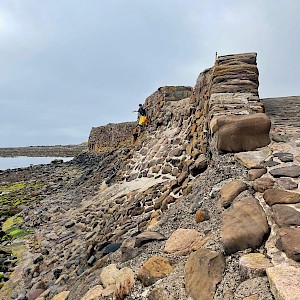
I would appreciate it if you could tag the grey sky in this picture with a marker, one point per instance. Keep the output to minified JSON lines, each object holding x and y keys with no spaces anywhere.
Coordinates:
{"x":66,"y":66}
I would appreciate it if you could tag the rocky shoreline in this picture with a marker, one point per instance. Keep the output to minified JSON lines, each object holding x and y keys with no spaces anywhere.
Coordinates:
{"x":44,"y":151}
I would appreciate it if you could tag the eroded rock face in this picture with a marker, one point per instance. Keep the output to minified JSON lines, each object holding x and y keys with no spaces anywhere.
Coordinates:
{"x":244,"y":225}
{"x":202,"y":272}
{"x":241,"y":133}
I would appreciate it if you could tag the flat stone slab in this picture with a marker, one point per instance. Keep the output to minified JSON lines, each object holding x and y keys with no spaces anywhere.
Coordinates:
{"x":286,"y":183}
{"x":284,"y":282}
{"x":253,"y":159}
{"x":285,"y":215}
{"x":273,"y":196}
{"x":289,"y":242}
{"x":284,"y":156}
{"x":291,"y":171}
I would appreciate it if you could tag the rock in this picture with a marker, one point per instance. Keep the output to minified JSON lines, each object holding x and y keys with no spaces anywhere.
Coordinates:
{"x":34,"y":293}
{"x":148,"y":236}
{"x":286,"y":183}
{"x":61,"y":296}
{"x":290,"y":171}
{"x":202,"y":272}
{"x":109,"y":274}
{"x":254,"y":265}
{"x":244,"y":225}
{"x":233,"y":133}
{"x":199,"y":165}
{"x":176,"y":152}
{"x":289,"y":242}
{"x":284,"y":282}
{"x":284,"y":156}
{"x":128,"y":249}
{"x":256,"y":173}
{"x":285,"y":215}
{"x":270,"y":163}
{"x":69,"y":224}
{"x":201,"y":215}
{"x":262,"y":184}
{"x":160,"y":294}
{"x":253,"y":159}
{"x":182,"y":176}
{"x":273,"y":196}
{"x":230,"y":191}
{"x":94,"y":293}
{"x":154,"y":269}
{"x":124,"y":283}
{"x":253,"y":297}
{"x":111,"y":248}
{"x":181,"y":241}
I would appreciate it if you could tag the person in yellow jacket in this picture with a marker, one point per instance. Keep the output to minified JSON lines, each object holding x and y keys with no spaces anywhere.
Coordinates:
{"x":142,"y":115}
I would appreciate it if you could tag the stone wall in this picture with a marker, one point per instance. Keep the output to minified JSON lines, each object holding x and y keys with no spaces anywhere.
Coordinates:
{"x":110,"y":136}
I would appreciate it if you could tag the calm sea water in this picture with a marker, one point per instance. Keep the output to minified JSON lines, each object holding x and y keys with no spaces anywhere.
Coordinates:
{"x":24,"y":161}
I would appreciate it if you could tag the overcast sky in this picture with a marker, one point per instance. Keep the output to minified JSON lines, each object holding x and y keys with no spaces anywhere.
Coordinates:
{"x":68,"y":65}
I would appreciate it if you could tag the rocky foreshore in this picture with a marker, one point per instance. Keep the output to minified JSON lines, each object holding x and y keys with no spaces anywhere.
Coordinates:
{"x":44,"y":151}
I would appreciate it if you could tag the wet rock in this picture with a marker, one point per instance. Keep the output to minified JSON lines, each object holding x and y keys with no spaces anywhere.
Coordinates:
{"x":203,"y":271}
{"x":254,"y":265}
{"x":285,"y":215}
{"x":256,"y":173}
{"x":244,"y":225}
{"x":230,"y":191}
{"x":284,"y":282}
{"x":273,"y":196}
{"x":154,"y":268}
{"x":262,"y":184}
{"x":290,"y":171}
{"x":289,"y":242}
{"x":181,"y":241}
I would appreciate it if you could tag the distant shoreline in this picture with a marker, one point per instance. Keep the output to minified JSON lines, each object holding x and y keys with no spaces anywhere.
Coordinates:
{"x":44,"y":151}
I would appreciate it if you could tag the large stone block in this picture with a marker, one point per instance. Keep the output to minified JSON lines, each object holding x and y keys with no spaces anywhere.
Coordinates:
{"x":244,"y":225}
{"x":240,"y":133}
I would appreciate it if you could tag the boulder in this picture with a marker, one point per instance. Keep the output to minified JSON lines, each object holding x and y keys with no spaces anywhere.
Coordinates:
{"x":262,"y":184}
{"x":181,"y":241}
{"x":230,"y":191}
{"x":154,"y":268}
{"x":284,"y":282}
{"x":244,"y":225}
{"x":273,"y":196}
{"x":256,"y":173}
{"x":241,"y":133}
{"x":286,"y":183}
{"x":203,"y":271}
{"x":124,"y":283}
{"x":148,"y":236}
{"x":109,"y":274}
{"x":285,"y":215}
{"x":290,"y":171}
{"x":199,"y":165}
{"x":289,"y":242}
{"x":253,"y":159}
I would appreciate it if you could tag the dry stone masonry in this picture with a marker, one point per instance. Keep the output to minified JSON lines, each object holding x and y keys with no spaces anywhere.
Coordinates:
{"x":181,"y":217}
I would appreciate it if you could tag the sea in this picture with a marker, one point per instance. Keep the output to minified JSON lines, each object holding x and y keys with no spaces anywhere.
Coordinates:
{"x":24,"y":161}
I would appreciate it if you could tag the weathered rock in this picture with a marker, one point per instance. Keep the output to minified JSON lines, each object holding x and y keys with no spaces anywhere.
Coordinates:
{"x":148,"y":236}
{"x":160,"y":294}
{"x":94,"y":293}
{"x":154,"y":269}
{"x":230,"y":191}
{"x":285,"y":215}
{"x":241,"y":133}
{"x":254,"y":265}
{"x":181,"y":241}
{"x":290,"y":171}
{"x":286,"y":183}
{"x":273,"y":196}
{"x":203,"y":271}
{"x":253,"y":159}
{"x":199,"y":165}
{"x":244,"y":225}
{"x":256,"y":173}
{"x":109,"y":274}
{"x":201,"y":215}
{"x":284,"y":282}
{"x":35,"y":293}
{"x":124,"y":283}
{"x":284,"y":156}
{"x":289,"y":242}
{"x":262,"y":184}
{"x":61,"y":296}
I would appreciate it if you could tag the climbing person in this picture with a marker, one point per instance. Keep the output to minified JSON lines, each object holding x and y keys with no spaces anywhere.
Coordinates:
{"x":141,"y":115}
{"x":135,"y":133}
